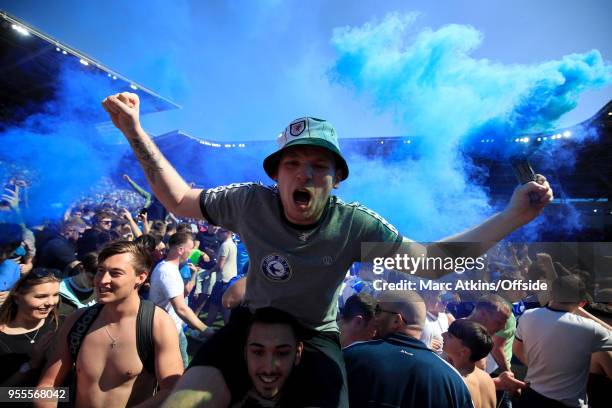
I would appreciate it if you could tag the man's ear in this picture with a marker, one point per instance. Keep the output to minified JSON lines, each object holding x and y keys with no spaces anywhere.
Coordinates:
{"x":465,"y":352}
{"x":298,"y":352}
{"x":358,"y":320}
{"x":337,"y":178}
{"x":140,"y":279}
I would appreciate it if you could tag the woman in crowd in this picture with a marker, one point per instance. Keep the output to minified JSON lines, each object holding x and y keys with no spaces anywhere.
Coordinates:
{"x":28,"y":322}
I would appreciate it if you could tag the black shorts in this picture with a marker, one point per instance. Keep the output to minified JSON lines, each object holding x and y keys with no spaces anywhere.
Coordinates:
{"x":319,"y":380}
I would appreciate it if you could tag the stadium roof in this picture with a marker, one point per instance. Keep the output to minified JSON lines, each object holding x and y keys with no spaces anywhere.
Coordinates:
{"x":581,"y":169}
{"x":31,"y":65}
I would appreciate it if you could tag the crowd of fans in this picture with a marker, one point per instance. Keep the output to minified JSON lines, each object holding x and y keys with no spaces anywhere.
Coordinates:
{"x":501,"y":349}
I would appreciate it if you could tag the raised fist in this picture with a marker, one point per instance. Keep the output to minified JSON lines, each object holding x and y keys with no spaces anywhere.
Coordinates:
{"x":124,"y":110}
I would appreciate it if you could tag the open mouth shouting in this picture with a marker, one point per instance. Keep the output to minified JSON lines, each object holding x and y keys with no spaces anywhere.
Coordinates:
{"x":302,"y":198}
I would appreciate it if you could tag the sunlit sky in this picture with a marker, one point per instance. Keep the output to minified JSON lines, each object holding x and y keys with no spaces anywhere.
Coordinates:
{"x":243,"y":69}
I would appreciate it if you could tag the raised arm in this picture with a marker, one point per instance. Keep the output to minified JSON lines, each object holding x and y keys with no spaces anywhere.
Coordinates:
{"x":125,"y":213}
{"x":480,"y":238}
{"x":519,"y":212}
{"x":141,"y":191}
{"x":167,"y":185}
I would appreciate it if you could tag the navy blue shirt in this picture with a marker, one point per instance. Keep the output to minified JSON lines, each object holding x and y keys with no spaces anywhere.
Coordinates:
{"x":400,"y":371}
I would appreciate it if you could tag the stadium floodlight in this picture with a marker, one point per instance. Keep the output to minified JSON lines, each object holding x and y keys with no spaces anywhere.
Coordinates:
{"x":595,"y":210}
{"x":134,"y":87}
{"x":114,"y":77}
{"x":57,"y":49}
{"x":539,"y":139}
{"x":64,"y":52}
{"x":516,"y":140}
{"x":544,"y":138}
{"x":21,"y":30}
{"x":567,"y":133}
{"x":82,"y":61}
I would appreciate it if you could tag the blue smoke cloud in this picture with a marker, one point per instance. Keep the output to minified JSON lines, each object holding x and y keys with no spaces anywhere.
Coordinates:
{"x":438,"y":92}
{"x":60,"y":147}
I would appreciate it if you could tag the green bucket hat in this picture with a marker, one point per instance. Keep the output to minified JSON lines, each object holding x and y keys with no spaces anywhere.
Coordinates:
{"x":310,"y":132}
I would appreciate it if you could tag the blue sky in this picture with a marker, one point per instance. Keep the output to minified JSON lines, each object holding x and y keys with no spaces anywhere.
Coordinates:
{"x":243,"y":69}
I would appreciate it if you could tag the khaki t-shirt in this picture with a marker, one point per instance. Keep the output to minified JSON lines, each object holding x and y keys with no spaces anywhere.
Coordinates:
{"x":293,"y":269}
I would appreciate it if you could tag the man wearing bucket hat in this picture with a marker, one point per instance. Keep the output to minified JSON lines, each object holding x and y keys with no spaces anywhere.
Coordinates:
{"x":298,"y":261}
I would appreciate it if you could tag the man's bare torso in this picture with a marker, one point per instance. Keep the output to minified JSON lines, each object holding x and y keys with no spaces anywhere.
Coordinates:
{"x":482,"y":388}
{"x":111,"y":376}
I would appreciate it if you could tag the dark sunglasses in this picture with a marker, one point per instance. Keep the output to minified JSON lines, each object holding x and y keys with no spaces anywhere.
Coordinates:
{"x":378,"y":310}
{"x":106,"y":222}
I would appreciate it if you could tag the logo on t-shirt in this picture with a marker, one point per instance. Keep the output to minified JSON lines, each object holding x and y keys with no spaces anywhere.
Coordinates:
{"x":276,"y":268}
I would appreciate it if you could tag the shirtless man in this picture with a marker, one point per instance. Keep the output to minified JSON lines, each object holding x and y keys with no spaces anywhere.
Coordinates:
{"x":109,"y":371}
{"x":465,"y":343}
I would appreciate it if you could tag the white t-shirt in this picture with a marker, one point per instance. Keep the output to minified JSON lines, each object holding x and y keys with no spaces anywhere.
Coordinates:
{"x":230,"y":269}
{"x":166,"y":283}
{"x":558,"y":347}
{"x":435,"y":325}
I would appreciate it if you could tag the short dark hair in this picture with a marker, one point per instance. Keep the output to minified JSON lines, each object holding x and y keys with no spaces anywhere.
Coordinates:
{"x":359,"y":304}
{"x":148,"y":241}
{"x":568,"y":289}
{"x":184,"y":227}
{"x":473,"y":336}
{"x":141,"y":258}
{"x":271,"y":315}
{"x":102,"y":214}
{"x":159,"y":225}
{"x":180,"y":238}
{"x":89,"y":263}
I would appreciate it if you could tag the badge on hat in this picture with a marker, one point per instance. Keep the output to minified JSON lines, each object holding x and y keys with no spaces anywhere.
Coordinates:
{"x":297,"y":128}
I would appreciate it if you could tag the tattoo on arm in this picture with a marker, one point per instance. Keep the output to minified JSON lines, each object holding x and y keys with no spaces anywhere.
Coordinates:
{"x":148,"y":159}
